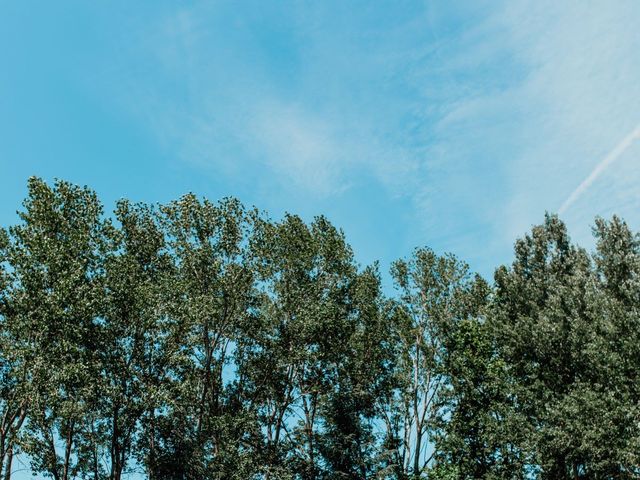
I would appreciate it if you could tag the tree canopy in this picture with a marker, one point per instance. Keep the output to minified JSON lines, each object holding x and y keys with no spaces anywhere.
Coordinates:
{"x":204,"y":340}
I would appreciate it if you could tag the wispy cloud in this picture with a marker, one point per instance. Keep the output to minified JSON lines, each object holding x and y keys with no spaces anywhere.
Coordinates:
{"x":306,"y":100}
{"x":613,"y":155}
{"x":303,"y":150}
{"x":580,"y":96}
{"x":481,"y":117}
{"x":535,"y":91}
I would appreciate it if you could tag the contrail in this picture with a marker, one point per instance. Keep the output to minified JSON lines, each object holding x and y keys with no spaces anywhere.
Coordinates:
{"x":608,"y":160}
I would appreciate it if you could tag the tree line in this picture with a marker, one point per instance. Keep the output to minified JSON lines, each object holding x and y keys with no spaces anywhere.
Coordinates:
{"x":204,"y":340}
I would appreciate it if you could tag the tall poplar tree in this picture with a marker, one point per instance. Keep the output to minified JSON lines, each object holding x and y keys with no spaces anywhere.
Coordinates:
{"x":432,"y":299}
{"x":57,"y":257}
{"x":547,"y":337}
{"x":132,"y":350}
{"x":199,"y":433}
{"x":315,"y":359}
{"x":293,"y":360}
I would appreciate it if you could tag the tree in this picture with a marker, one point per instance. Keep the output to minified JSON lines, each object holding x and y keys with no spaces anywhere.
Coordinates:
{"x":14,"y":381}
{"x":291,"y":359}
{"x":56,"y":255}
{"x":199,"y":431}
{"x":131,"y":353}
{"x":349,"y":444}
{"x":433,"y":292}
{"x":548,"y":336}
{"x":616,"y":442}
{"x":478,"y":424}
{"x":313,"y":359}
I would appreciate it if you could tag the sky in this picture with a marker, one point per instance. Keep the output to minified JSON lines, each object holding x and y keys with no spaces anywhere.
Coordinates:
{"x":453,"y":125}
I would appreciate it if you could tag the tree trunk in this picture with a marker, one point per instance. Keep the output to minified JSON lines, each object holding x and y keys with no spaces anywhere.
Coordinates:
{"x":416,"y":457}
{"x":67,"y":454}
{"x":7,"y":472}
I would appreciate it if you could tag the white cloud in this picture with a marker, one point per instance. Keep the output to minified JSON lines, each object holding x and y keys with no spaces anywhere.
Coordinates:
{"x":484,"y":116}
{"x":320,"y":129}
{"x":300,"y":148}
{"x":542,"y":91}
{"x":582,"y":94}
{"x":601,"y":167}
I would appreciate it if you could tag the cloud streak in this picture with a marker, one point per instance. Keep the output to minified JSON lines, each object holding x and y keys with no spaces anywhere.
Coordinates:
{"x":613,"y":155}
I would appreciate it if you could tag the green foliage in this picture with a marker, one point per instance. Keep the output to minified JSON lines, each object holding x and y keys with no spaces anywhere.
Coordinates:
{"x":557,"y":317}
{"x":57,"y":256}
{"x":199,"y":340}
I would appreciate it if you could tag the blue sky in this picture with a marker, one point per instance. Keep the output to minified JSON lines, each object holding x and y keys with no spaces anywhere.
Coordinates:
{"x":408,"y":123}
